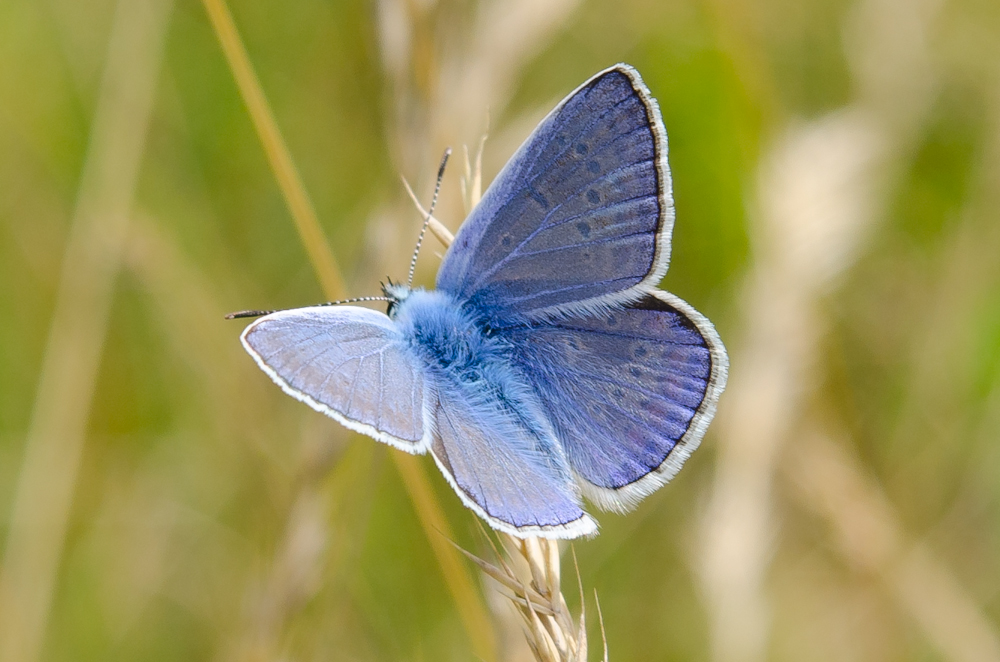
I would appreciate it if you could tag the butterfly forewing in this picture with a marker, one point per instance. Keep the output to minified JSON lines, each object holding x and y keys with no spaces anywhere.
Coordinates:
{"x":349,"y":363}
{"x":580,"y":215}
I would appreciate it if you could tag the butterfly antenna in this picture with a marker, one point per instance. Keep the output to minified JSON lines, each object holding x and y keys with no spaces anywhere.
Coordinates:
{"x":249,"y":313}
{"x":427,"y":218}
{"x":260,"y":313}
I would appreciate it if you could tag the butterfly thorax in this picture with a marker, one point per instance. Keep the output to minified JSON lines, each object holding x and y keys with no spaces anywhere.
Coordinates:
{"x":445,"y":333}
{"x":464,"y":358}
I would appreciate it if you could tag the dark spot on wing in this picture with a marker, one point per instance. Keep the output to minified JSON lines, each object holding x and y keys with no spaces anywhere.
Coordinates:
{"x":594,"y":167}
{"x":538,"y":197}
{"x":593,"y":196}
{"x":584,"y":229}
{"x":581,"y":148}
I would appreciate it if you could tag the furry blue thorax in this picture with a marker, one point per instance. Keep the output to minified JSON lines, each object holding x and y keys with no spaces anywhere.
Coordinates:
{"x":445,"y":333}
{"x":461,"y":352}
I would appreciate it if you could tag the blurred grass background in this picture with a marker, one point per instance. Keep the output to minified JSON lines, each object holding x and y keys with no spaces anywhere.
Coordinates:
{"x":837,"y":176}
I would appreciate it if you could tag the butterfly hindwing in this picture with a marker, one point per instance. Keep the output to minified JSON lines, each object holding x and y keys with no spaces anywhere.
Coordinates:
{"x":629,"y":392}
{"x":497,"y":470}
{"x":349,"y":363}
{"x":581,"y":214}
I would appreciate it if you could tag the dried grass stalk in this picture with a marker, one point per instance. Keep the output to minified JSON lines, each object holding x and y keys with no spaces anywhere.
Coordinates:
{"x":527,"y":572}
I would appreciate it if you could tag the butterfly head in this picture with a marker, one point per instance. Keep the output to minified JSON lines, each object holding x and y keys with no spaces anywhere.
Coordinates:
{"x":397,"y":293}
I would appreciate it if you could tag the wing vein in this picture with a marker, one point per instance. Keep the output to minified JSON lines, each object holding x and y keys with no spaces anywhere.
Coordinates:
{"x":579,"y":286}
{"x":592,"y":242}
{"x":615,"y":334}
{"x":628,"y":385}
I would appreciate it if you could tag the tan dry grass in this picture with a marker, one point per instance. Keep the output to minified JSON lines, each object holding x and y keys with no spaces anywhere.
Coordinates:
{"x":527,"y":573}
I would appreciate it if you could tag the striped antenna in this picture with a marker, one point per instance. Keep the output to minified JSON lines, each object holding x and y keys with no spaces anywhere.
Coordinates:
{"x":260,"y":313}
{"x":427,"y":218}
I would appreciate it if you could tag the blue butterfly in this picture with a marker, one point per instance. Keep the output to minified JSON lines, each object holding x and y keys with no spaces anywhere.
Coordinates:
{"x":546,"y":366}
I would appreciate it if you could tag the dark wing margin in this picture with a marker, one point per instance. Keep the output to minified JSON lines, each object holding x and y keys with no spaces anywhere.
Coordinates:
{"x":349,"y":363}
{"x":630,"y":392}
{"x":579,"y":218}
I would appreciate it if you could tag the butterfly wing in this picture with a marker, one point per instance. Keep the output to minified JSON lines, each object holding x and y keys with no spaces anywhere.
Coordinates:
{"x":629,"y":393}
{"x":499,"y":472}
{"x":580,"y":216}
{"x":349,"y":363}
